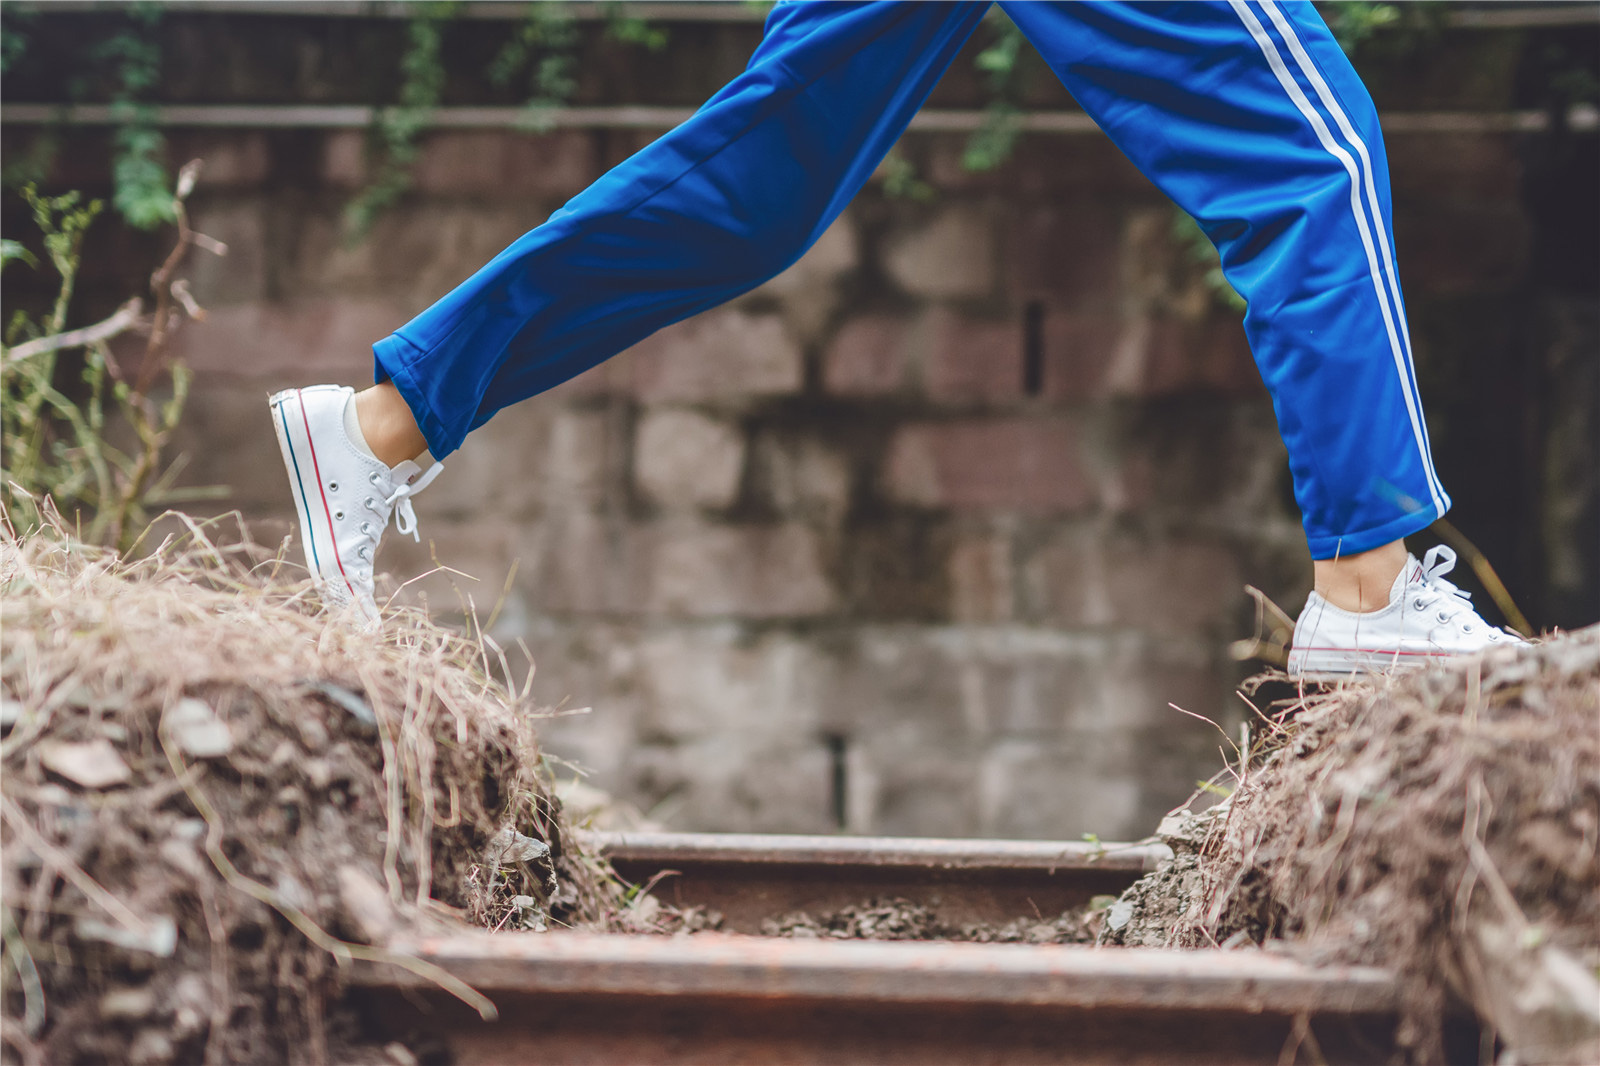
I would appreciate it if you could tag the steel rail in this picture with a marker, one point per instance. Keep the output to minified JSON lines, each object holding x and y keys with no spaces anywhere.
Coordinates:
{"x":600,"y":999}
{"x":1581,"y":118}
{"x":748,"y":878}
{"x":1518,"y":16}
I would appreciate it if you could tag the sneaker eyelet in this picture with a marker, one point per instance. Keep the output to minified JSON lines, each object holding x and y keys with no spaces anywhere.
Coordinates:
{"x":1419,"y":605}
{"x":1442,"y":616}
{"x":366,"y":527}
{"x":339,"y":515}
{"x":1466,"y":627}
{"x":373,"y":477}
{"x":333,"y":486}
{"x":361,"y":553}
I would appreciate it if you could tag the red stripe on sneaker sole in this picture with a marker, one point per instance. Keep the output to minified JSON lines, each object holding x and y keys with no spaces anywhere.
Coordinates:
{"x":326,"y":510}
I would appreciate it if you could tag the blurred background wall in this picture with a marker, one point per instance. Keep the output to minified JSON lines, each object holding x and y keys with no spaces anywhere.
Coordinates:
{"x":928,"y":534}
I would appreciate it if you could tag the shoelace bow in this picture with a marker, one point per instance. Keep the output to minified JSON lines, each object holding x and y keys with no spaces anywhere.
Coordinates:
{"x":405,"y":516}
{"x":1451,"y":600}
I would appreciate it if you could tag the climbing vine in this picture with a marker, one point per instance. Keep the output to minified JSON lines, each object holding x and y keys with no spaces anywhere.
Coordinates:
{"x":540,"y":55}
{"x":393,"y":138}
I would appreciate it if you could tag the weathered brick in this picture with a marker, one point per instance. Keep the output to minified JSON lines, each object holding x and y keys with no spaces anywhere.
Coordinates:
{"x":951,"y":256}
{"x":869,"y":356}
{"x":1031,"y":790}
{"x":1476,"y":248}
{"x":499,"y":470}
{"x":575,"y":562}
{"x":411,"y":257}
{"x":972,"y":360}
{"x":233,"y":159}
{"x":703,"y":571}
{"x":725,"y":784}
{"x":683,"y":458}
{"x":808,"y":292}
{"x":1083,"y":577}
{"x":1066,"y":254}
{"x":801,"y":477}
{"x":719,"y":356}
{"x":344,"y":159}
{"x":239,"y":276}
{"x":1011,"y":464}
{"x":717,"y":679}
{"x":284,"y":344}
{"x":505,"y":163}
{"x":980,"y":578}
{"x":1209,"y":354}
{"x":459,"y":564}
{"x":226,"y":436}
{"x":1453,"y":167}
{"x":1079,"y":349}
{"x":834,"y":254}
{"x":587,"y":456}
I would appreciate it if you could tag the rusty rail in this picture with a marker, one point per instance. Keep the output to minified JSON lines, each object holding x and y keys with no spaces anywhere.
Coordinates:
{"x":751,"y":877}
{"x":719,"y":998}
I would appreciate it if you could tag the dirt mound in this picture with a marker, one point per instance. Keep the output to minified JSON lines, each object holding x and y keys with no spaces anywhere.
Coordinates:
{"x":903,"y":919}
{"x":1443,"y":823}
{"x":213,"y":796}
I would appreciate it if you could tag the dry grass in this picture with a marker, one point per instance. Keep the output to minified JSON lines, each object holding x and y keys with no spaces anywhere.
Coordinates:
{"x":1443,"y":823}
{"x":173,"y":902}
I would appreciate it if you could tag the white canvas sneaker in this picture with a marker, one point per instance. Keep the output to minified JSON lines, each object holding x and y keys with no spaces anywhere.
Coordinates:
{"x":343,"y":495}
{"x":1428,"y":618}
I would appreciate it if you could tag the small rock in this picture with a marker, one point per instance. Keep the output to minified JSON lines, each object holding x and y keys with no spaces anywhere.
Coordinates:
{"x":151,"y":1047}
{"x":354,"y":702}
{"x":52,"y":794}
{"x":92,"y":764}
{"x":313,"y":734}
{"x":522,"y":903}
{"x":197,"y":729}
{"x":1119,"y":914}
{"x":128,"y":1004}
{"x":319,"y":773}
{"x":190,"y":829}
{"x":282,"y":755}
{"x":399,"y":1054}
{"x":190,"y":1001}
{"x":158,"y":938}
{"x":509,"y":846}
{"x":181,"y":855}
{"x":366,"y":905}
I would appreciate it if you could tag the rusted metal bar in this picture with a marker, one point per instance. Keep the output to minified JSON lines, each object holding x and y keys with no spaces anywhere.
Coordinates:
{"x":629,"y":116}
{"x":1518,"y":16}
{"x":574,"y":997}
{"x":749,"y":877}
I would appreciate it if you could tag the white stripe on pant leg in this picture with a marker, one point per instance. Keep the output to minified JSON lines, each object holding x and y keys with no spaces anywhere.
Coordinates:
{"x":1285,"y":79}
{"x":1331,"y":103}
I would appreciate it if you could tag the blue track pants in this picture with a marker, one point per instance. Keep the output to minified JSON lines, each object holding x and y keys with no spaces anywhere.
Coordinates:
{"x":1245,"y":113}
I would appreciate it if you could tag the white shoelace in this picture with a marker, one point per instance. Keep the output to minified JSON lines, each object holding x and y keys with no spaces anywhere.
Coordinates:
{"x":405,"y":516}
{"x":1450,"y":601}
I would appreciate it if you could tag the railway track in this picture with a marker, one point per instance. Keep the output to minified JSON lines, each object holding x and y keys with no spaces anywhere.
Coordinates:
{"x":748,"y":877}
{"x":734,"y":998}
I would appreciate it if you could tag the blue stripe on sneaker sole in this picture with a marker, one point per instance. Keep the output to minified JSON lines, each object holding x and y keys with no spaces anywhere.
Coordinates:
{"x":300,"y":493}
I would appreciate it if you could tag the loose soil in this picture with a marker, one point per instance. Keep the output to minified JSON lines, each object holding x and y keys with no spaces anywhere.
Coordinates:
{"x":213,"y":793}
{"x":1442,"y":823}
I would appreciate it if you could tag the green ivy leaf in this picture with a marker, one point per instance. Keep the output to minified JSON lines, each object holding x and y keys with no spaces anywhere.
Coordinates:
{"x":10,"y":250}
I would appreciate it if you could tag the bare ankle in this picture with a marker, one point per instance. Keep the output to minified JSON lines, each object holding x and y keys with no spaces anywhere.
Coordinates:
{"x":388,"y":425}
{"x":1360,"y":582}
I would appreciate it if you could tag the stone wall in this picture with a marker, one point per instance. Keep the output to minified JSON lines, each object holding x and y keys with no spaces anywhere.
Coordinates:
{"x":929,"y":535}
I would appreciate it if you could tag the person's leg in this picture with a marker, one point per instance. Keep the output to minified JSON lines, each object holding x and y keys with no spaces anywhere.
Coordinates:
{"x":712,"y":209}
{"x":1249,"y":116}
